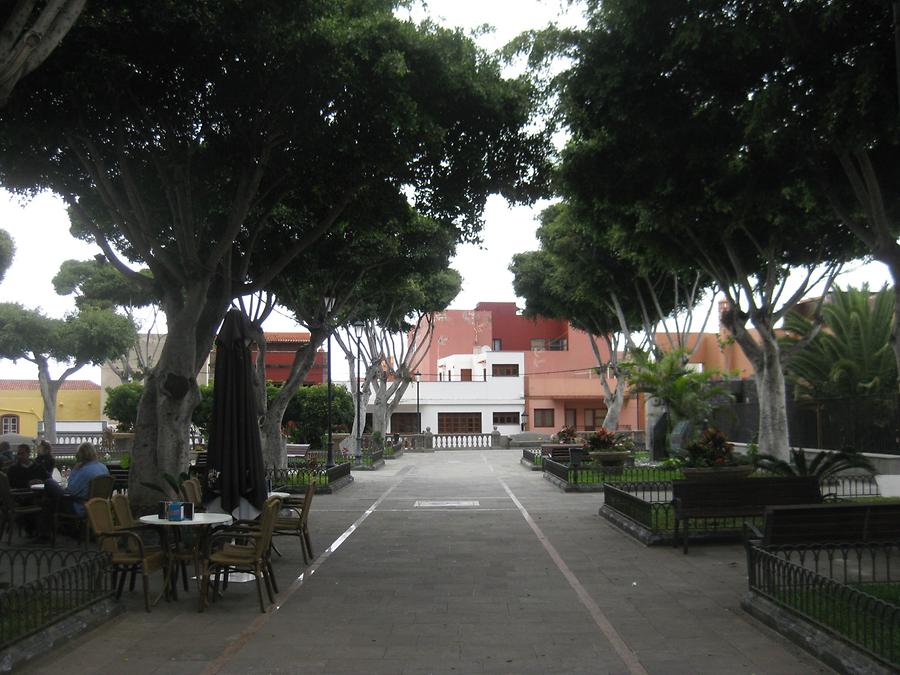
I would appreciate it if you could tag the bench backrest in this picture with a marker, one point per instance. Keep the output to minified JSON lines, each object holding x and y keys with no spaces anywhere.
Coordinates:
{"x":120,"y":476}
{"x":832,"y":523}
{"x":747,"y":492}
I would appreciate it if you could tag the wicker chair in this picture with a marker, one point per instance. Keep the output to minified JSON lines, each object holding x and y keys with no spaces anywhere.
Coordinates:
{"x":293,"y":522}
{"x":100,"y":487}
{"x":127,"y":550}
{"x":12,"y":511}
{"x":244,"y":550}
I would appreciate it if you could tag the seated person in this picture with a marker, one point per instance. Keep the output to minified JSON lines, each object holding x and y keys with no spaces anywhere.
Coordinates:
{"x":87,"y":467}
{"x":6,"y":455}
{"x":25,"y":472}
{"x":45,"y":456}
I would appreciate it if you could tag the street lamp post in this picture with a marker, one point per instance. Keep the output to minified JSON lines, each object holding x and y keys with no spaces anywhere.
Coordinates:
{"x":329,"y":305}
{"x":358,"y":329}
{"x":418,"y":414}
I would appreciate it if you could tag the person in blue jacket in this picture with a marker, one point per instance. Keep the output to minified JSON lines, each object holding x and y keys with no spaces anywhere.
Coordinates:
{"x":87,"y":467}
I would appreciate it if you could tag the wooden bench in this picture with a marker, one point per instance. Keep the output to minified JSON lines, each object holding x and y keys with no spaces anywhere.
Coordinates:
{"x":120,"y":477}
{"x":744,"y":497}
{"x":561,"y":452}
{"x":837,"y":523}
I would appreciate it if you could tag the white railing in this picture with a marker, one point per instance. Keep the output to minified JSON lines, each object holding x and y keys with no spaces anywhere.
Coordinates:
{"x":455,"y":441}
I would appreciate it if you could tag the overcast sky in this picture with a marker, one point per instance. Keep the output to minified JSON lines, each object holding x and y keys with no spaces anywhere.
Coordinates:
{"x":40,"y":227}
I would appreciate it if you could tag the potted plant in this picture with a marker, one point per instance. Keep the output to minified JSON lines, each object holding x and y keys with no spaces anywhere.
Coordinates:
{"x":711,"y":457}
{"x":609,"y":449}
{"x":566,"y":436}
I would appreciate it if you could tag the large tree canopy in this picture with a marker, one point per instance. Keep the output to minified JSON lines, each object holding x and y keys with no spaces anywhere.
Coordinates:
{"x":577,"y":275}
{"x":671,"y":158}
{"x":89,"y":336}
{"x":30,"y":30}
{"x":177,"y":132}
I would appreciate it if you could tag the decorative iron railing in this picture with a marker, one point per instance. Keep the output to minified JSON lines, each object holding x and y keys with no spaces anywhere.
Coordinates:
{"x":39,"y":587}
{"x":848,"y":590}
{"x":659,"y":516}
{"x":294,"y":478}
{"x":368,"y":458}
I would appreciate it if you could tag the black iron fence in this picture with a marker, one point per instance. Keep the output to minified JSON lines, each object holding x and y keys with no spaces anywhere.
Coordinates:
{"x":39,"y":587}
{"x":867,"y":423}
{"x":648,"y":503}
{"x":846,"y":589}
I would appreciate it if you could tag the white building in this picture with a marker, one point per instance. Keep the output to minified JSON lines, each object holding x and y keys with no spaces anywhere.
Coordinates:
{"x":474,"y":393}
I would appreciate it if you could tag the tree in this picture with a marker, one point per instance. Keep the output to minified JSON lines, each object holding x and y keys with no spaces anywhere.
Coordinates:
{"x":852,"y":355}
{"x":687,"y":395}
{"x":306,"y":418}
{"x":122,"y":404}
{"x":97,"y":283}
{"x":7,"y":252}
{"x":580,"y":278}
{"x":31,"y":30}
{"x":395,"y":337}
{"x":825,"y":98}
{"x":367,"y":272}
{"x":668,"y":157}
{"x":87,"y":337}
{"x":197,"y":139}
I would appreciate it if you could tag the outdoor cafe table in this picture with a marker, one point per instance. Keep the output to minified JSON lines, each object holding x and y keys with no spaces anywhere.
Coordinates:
{"x":201,"y":520}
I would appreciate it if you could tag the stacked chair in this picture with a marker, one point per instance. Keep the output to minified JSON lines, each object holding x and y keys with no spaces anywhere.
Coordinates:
{"x":293,"y":522}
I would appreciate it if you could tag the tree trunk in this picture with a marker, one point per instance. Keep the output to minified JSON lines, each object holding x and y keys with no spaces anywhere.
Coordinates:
{"x":773,"y":423}
{"x":772,"y":434}
{"x":614,"y":404}
{"x":49,"y":395}
{"x":272,"y":416}
{"x":162,"y":429}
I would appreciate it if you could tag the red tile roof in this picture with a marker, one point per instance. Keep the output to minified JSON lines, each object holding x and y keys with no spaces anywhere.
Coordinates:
{"x":33,"y":385}
{"x":298,"y":338}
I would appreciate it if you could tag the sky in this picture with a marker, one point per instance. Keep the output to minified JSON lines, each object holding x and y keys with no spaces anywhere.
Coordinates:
{"x":40,"y":226}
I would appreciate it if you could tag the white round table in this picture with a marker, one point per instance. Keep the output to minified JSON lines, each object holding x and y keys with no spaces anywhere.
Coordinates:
{"x":201,"y":520}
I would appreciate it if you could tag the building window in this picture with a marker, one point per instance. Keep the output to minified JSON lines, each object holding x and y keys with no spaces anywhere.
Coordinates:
{"x":552,"y":345}
{"x":543,"y":417}
{"x":9,"y":424}
{"x":505,"y":370}
{"x":405,"y":423}
{"x":570,"y":418}
{"x":593,"y":418}
{"x":459,"y":423}
{"x":506,"y":418}
{"x":497,"y":345}
{"x":465,"y":374}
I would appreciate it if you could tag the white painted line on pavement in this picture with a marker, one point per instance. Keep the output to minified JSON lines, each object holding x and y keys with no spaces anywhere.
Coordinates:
{"x":259,"y":623}
{"x":629,"y":658}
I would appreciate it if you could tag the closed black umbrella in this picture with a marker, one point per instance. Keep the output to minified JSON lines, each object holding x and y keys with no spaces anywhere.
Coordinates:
{"x":235,"y":450}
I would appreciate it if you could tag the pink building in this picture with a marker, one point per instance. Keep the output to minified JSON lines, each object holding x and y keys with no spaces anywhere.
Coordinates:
{"x":562,"y":386}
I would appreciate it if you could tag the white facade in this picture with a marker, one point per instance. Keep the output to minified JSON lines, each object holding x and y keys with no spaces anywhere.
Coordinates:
{"x":495,"y":392}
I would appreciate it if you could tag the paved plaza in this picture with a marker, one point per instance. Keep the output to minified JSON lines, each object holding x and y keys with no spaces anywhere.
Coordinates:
{"x":456,"y":562}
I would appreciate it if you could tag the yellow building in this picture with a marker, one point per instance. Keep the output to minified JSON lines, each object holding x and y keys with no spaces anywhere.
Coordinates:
{"x":21,"y":406}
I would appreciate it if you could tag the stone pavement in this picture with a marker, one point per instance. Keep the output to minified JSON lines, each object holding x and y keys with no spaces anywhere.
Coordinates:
{"x":507,"y":575}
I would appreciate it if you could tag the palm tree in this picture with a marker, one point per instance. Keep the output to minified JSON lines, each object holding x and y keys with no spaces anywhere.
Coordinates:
{"x":852,"y":355}
{"x":686,"y":395}
{"x":823,"y":465}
